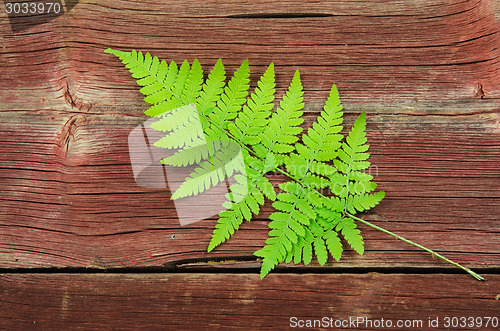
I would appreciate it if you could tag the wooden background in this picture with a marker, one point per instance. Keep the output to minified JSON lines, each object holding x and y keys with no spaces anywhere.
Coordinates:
{"x":82,"y":245}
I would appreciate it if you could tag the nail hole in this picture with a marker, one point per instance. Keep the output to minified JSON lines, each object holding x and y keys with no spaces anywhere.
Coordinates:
{"x":172,"y":236}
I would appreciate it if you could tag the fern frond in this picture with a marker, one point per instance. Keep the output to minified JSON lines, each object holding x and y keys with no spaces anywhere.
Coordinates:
{"x":244,"y":199}
{"x":254,"y":116}
{"x":188,"y":156}
{"x":320,"y":250}
{"x":362,"y":202}
{"x":333,"y":244}
{"x":323,"y":139}
{"x":193,"y":84}
{"x":283,"y":129}
{"x":351,"y":234}
{"x":207,"y":174}
{"x":225,"y":132}
{"x":225,"y":161}
{"x":320,"y":143}
{"x":180,"y":82}
{"x":353,"y":156}
{"x":316,"y":182}
{"x":302,"y":251}
{"x":187,"y":133}
{"x":320,"y":234}
{"x":230,"y":102}
{"x":245,"y":130}
{"x":213,"y":87}
{"x":227,"y":106}
{"x":317,"y":240}
{"x":157,"y":78}
{"x":288,"y":224}
{"x":174,"y":120}
{"x":351,"y":184}
{"x":169,"y":99}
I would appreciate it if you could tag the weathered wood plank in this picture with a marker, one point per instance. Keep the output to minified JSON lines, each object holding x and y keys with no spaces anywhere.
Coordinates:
{"x":69,"y":198}
{"x":242,"y":301}
{"x":391,"y":56}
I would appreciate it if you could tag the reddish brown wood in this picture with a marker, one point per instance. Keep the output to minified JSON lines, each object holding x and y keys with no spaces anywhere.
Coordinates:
{"x":69,"y":197}
{"x":392,"y":56}
{"x":428,"y":74}
{"x":209,"y":301}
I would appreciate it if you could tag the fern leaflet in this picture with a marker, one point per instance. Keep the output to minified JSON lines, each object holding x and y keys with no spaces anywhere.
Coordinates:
{"x":254,"y":117}
{"x":284,"y":125}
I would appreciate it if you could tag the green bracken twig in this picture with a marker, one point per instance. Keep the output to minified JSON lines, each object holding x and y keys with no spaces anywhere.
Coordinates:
{"x":478,"y":277}
{"x":475,"y":275}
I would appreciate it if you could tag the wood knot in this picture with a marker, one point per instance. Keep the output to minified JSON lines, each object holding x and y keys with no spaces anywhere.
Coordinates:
{"x":74,"y":102}
{"x":479,"y":91}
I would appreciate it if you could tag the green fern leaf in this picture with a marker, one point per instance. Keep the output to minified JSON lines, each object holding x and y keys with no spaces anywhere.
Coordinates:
{"x":302,"y":250}
{"x":188,"y":156}
{"x":238,"y":204}
{"x":218,"y":109}
{"x":188,"y":132}
{"x":321,"y":142}
{"x":320,"y":250}
{"x":182,"y":77}
{"x":157,"y":92}
{"x":323,"y":139}
{"x":352,"y":234}
{"x":353,"y":186}
{"x":288,"y":224}
{"x":192,"y":88}
{"x":169,"y":99}
{"x":174,"y":120}
{"x":363,"y":202}
{"x":307,"y":253}
{"x":212,"y":89}
{"x":333,"y":243}
{"x":158,"y":79}
{"x":203,"y":118}
{"x":225,"y":162}
{"x":246,"y":129}
{"x":230,"y":102}
{"x":315,"y":236}
{"x":183,"y":118}
{"x":254,"y":116}
{"x":246,"y":195}
{"x":284,"y":126}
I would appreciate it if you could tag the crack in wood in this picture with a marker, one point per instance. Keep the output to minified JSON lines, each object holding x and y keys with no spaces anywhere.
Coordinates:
{"x":279,"y":15}
{"x":67,"y":133}
{"x":75,"y":102}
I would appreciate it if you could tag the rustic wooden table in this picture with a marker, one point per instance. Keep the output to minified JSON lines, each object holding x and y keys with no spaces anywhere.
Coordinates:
{"x":83,"y":246}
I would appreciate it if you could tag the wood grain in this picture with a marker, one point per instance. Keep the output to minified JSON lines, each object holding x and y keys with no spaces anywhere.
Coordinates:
{"x":210,"y":301}
{"x":427,"y":72}
{"x":69,"y":198}
{"x":439,"y":57}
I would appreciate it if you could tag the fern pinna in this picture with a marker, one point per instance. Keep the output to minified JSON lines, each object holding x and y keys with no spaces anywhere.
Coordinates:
{"x":225,"y":132}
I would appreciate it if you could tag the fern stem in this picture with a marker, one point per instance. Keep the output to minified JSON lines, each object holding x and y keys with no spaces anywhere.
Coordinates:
{"x":478,"y":277}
